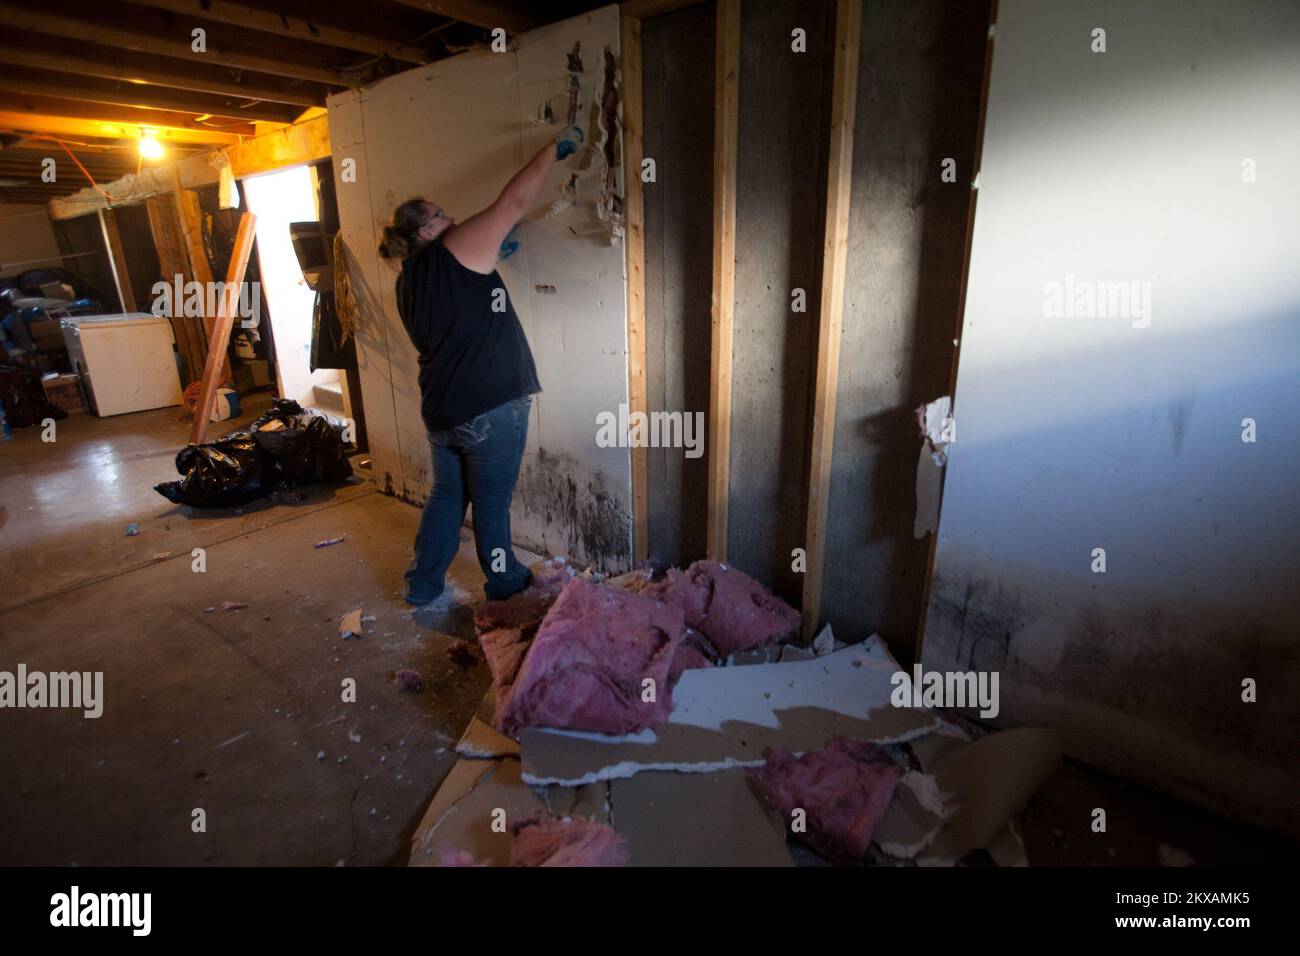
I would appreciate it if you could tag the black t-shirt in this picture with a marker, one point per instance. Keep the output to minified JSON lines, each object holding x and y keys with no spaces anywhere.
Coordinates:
{"x":472,"y":359}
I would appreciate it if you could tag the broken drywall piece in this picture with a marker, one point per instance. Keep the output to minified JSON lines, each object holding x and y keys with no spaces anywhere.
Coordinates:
{"x":936,"y":425}
{"x":727,"y":717}
{"x":915,"y":816}
{"x":589,"y":802}
{"x":994,"y":778}
{"x":930,"y":749}
{"x":935,"y":421}
{"x":705,"y":819}
{"x":475,"y":814}
{"x":481,"y":739}
{"x":824,"y":642}
{"x":350,"y":625}
{"x":459,"y":782}
{"x":1007,"y":848}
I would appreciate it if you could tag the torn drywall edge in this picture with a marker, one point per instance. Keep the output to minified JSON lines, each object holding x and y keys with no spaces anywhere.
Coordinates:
{"x":482,"y":740}
{"x":852,"y":682}
{"x":461,"y":780}
{"x":725,"y":717}
{"x":623,"y":769}
{"x":994,"y":777}
{"x":464,"y":826}
{"x":915,"y":817}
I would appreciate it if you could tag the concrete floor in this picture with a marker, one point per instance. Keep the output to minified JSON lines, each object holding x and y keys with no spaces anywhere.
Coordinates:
{"x":227,"y":711}
{"x":223,"y":710}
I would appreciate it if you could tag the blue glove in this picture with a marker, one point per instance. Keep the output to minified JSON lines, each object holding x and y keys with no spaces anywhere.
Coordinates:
{"x":567,"y":142}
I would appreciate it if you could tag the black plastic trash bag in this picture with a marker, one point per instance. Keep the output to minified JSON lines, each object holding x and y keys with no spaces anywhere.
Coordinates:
{"x":307,"y":449}
{"x":284,"y":448}
{"x":222,"y":474}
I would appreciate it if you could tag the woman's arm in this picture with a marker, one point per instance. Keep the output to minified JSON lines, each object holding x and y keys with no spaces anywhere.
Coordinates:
{"x":476,"y":241}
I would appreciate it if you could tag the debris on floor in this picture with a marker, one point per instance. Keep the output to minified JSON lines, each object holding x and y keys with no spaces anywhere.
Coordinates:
{"x":409,"y":680}
{"x":461,"y":653}
{"x":330,"y":541}
{"x":233,"y":605}
{"x":350,"y":625}
{"x":672,"y":720}
{"x":132,"y":530}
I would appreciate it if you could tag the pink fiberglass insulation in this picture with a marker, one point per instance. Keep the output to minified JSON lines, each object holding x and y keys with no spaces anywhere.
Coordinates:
{"x":727,"y":606}
{"x":585,"y":668}
{"x":506,"y":628}
{"x":687,"y":657}
{"x":504,"y":649}
{"x":543,"y":840}
{"x":844,"y":788}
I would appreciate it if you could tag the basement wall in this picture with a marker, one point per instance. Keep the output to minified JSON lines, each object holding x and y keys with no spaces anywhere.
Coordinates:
{"x":26,"y":234}
{"x":677,"y":93}
{"x":918,"y":103}
{"x":454,"y":132}
{"x":1124,"y":432}
{"x":921,"y":66}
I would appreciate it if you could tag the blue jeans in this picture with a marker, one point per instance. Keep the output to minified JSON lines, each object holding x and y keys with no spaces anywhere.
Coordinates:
{"x":476,"y":463}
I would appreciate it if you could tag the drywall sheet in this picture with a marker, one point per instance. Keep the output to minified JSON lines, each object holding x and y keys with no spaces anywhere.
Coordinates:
{"x":677,"y":93}
{"x":697,"y":819}
{"x":454,"y":132}
{"x":726,"y":717}
{"x":918,"y":105}
{"x":472,"y":813}
{"x":1125,"y":396}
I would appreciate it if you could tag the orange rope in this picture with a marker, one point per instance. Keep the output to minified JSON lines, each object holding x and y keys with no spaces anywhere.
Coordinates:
{"x":83,"y":169}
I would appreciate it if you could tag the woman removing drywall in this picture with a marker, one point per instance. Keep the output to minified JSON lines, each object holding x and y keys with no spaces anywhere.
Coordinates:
{"x":477,"y":377}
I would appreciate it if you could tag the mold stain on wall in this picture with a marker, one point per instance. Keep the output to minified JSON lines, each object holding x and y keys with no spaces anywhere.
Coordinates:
{"x":581,"y":518}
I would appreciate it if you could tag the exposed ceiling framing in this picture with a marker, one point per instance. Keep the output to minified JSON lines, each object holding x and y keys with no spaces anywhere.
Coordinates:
{"x":93,"y":76}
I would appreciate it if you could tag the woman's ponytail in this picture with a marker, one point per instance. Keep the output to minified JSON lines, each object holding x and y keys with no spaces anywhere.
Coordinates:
{"x":401,"y":234}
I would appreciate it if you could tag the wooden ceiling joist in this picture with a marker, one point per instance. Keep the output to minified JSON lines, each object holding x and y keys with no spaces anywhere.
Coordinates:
{"x":44,"y":83}
{"x":512,"y":17}
{"x":287,"y":24}
{"x":118,"y":116}
{"x":22,"y":48}
{"x":15,"y":116}
{"x":174,"y":41}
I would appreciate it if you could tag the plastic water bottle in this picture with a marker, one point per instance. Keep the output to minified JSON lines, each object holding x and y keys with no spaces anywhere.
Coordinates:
{"x":6,"y":433}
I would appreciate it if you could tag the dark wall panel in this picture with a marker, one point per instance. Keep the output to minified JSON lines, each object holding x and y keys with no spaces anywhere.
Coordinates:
{"x":781,"y":176}
{"x":918,"y":103}
{"x":677,"y":81}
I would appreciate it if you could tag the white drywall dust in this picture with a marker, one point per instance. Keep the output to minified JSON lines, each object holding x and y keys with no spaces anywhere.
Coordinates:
{"x":454,"y":132}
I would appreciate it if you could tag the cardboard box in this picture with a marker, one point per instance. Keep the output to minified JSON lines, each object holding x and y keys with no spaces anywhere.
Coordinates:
{"x":260,"y":370}
{"x":65,"y":392}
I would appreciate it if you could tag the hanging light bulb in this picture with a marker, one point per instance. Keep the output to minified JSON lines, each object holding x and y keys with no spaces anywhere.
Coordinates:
{"x":150,"y":148}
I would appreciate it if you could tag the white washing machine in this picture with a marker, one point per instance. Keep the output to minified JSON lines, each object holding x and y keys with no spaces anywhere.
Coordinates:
{"x":126,"y":363}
